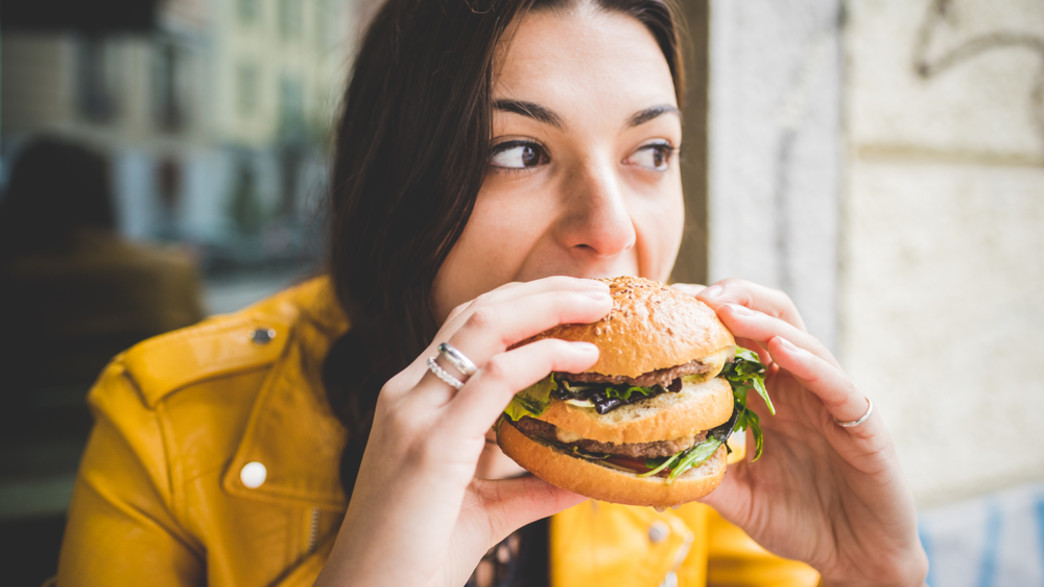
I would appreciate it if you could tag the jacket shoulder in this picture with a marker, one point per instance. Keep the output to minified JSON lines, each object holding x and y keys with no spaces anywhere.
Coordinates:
{"x":221,"y":346}
{"x":213,"y":348}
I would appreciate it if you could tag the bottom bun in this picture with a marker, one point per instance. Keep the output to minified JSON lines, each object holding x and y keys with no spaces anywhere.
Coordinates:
{"x":606,"y":483}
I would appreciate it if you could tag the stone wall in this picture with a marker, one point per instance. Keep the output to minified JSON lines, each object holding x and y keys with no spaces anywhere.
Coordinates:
{"x":883,"y":162}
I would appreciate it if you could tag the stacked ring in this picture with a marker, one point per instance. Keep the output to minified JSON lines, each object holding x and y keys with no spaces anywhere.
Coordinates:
{"x":457,"y":359}
{"x":444,"y":375}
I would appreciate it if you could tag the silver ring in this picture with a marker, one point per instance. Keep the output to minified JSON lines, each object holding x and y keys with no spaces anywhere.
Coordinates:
{"x":443,"y":375}
{"x":860,"y":419}
{"x":457,"y":359}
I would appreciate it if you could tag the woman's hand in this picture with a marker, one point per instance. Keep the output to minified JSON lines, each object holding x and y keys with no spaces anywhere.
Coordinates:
{"x":830,"y":496}
{"x":418,"y":515}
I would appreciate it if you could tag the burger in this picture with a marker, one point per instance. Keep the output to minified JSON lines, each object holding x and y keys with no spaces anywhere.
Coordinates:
{"x":650,"y":422}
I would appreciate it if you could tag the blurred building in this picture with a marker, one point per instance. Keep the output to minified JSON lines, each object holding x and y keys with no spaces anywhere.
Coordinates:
{"x":216,"y":117}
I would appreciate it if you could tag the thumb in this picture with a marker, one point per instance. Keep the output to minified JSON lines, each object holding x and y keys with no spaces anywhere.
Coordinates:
{"x":513,"y":503}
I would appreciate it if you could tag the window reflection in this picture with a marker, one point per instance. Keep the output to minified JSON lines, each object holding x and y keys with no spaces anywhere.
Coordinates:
{"x":210,"y":119}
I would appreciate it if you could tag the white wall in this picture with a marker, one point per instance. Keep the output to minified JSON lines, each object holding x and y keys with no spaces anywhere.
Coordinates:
{"x":943,"y":257}
{"x":774,"y":150}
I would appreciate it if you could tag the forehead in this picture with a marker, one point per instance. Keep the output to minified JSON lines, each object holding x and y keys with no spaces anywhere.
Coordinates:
{"x":581,"y":50}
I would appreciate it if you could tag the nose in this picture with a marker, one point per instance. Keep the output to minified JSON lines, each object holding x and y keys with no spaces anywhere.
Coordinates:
{"x":595,"y":221}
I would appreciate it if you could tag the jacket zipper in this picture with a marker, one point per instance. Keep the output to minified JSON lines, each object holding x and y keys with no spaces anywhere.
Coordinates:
{"x":313,"y":534}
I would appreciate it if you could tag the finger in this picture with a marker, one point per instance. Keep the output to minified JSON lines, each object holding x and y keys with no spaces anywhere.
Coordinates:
{"x":761,"y":328}
{"x":496,"y":325}
{"x":757,"y":297}
{"x":828,"y":382}
{"x":484,"y":396}
{"x":520,"y":289}
{"x":513,"y":503}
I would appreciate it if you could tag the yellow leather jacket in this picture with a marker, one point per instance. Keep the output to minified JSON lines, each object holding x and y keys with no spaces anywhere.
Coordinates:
{"x":214,"y":460}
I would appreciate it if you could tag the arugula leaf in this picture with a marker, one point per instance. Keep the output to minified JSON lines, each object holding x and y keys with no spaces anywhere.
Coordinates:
{"x":531,"y":401}
{"x":752,"y":421}
{"x":697,"y":454}
{"x":667,"y":463}
{"x":683,"y":460}
{"x":745,"y":372}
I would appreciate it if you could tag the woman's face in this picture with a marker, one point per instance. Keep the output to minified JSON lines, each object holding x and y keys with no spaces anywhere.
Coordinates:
{"x":583,"y":175}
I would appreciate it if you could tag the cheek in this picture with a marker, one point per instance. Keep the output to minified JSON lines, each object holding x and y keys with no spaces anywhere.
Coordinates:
{"x":486,"y":256}
{"x":660,"y":224}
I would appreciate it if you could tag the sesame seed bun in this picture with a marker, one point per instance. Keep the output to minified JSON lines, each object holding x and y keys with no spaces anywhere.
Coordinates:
{"x":651,"y":327}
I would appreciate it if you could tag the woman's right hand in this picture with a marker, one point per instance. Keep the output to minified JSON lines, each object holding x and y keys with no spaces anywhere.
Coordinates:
{"x":418,"y":515}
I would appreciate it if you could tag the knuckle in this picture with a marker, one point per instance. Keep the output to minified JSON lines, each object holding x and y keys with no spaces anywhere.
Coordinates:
{"x":481,"y":318}
{"x":496,"y":367}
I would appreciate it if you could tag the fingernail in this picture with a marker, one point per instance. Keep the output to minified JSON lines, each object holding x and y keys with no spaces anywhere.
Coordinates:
{"x":712,"y":292}
{"x":786,"y":344}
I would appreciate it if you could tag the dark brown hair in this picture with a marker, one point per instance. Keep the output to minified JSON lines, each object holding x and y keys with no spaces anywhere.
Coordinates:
{"x":410,"y":156}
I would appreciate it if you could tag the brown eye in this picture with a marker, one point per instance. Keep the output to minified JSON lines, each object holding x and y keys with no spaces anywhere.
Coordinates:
{"x":653,"y":156}
{"x":518,"y":155}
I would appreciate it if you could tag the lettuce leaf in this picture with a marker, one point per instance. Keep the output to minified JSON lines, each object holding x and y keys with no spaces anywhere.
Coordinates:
{"x":531,"y":401}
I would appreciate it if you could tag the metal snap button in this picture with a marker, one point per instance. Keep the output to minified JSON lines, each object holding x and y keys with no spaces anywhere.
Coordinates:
{"x":253,"y":474}
{"x":659,"y":531}
{"x":262,"y":336}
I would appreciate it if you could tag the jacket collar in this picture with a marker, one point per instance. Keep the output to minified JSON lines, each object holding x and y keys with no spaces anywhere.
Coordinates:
{"x":291,"y":429}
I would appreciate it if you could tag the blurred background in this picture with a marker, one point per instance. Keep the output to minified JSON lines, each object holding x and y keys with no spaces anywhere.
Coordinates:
{"x":160,"y":161}
{"x":882,"y":162}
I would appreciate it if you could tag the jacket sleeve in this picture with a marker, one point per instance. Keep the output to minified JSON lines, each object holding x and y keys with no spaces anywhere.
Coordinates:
{"x":734,"y":559}
{"x":121,"y":526}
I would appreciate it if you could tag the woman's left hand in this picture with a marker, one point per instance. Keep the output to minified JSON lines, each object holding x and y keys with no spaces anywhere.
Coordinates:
{"x":833,"y":497}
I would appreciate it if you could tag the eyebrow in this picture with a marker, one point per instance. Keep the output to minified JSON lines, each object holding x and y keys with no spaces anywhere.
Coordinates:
{"x":547,"y":116}
{"x":530,"y":109}
{"x":648,"y":114}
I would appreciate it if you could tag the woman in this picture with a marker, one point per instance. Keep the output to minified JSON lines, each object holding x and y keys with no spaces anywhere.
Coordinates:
{"x":490,"y":157}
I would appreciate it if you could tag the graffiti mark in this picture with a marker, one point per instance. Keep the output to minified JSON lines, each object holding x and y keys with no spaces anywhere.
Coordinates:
{"x":924,"y":66}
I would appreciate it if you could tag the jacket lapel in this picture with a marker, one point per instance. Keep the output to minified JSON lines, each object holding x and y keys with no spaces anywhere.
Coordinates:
{"x":291,"y":430}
